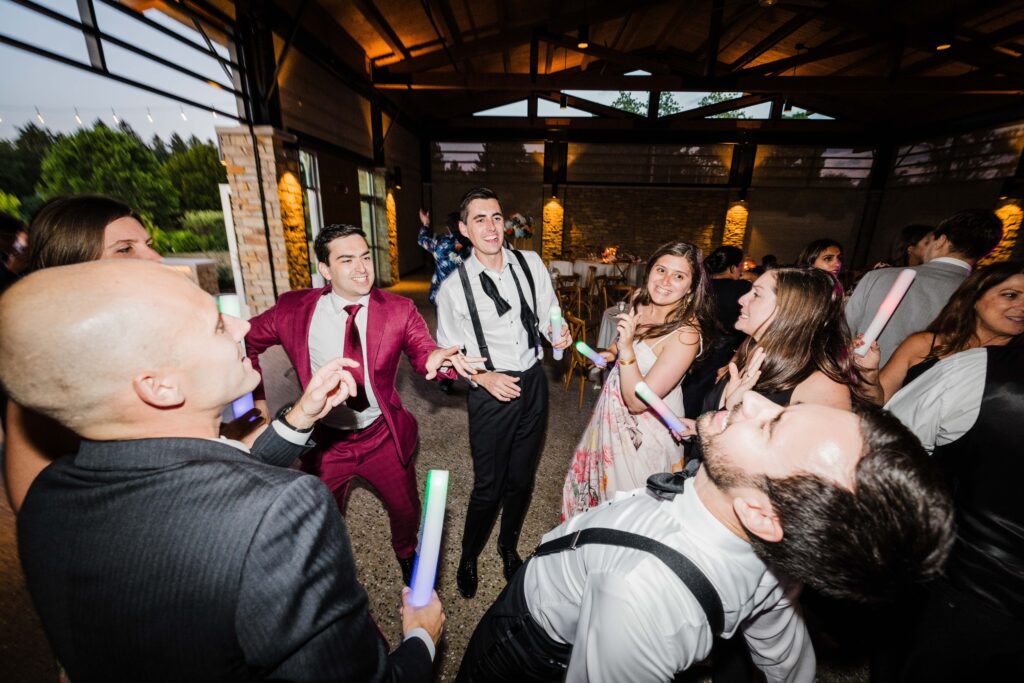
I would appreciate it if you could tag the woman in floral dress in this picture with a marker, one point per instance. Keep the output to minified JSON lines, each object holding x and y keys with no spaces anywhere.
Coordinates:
{"x":664,"y":332}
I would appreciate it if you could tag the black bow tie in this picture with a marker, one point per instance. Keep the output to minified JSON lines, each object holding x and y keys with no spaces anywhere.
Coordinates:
{"x":491,"y":290}
{"x":667,"y":485}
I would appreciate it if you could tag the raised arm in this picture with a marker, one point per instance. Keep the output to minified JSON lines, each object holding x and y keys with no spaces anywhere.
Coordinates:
{"x":261,"y":336}
{"x":676,"y":355}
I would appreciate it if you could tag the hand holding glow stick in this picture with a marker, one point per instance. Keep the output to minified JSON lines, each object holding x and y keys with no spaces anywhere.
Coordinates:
{"x":648,"y":396}
{"x":424,"y":573}
{"x":886,"y":309}
{"x":230,"y":304}
{"x":595,"y":358}
{"x":556,"y":330}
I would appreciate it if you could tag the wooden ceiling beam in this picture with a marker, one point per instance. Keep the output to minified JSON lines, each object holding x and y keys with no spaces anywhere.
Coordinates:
{"x":590,"y":106}
{"x":718,"y":108}
{"x":382,"y":27}
{"x":714,"y":36}
{"x":814,"y":54}
{"x":784,"y":31}
{"x":608,"y":54}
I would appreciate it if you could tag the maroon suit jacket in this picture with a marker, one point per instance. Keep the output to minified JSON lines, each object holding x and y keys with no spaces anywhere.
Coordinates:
{"x":393,"y":326}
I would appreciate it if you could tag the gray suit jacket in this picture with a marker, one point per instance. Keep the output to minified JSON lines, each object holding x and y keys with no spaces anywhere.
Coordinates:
{"x":931,"y":289}
{"x":189,"y":560}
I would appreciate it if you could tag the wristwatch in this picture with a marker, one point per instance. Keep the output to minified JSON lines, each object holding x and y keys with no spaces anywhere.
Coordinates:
{"x":287,"y":408}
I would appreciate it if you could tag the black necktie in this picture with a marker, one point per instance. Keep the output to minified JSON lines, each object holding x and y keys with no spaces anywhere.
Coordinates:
{"x":491,"y":290}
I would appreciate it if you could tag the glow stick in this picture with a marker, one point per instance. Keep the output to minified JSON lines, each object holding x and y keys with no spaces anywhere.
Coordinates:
{"x":424,"y":573}
{"x":596,"y":358}
{"x":648,"y":396}
{"x":556,"y":329}
{"x":886,"y":309}
{"x":230,"y":304}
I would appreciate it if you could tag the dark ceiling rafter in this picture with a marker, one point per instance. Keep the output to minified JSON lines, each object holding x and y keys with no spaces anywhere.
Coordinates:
{"x":590,"y":106}
{"x":608,"y":54}
{"x":813,"y":54}
{"x":718,"y":108}
{"x":785,"y":30}
{"x":683,"y":11}
{"x":714,"y":37}
{"x":382,"y":27}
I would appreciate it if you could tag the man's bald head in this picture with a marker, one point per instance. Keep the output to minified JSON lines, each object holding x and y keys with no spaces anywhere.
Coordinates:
{"x":75,"y":340}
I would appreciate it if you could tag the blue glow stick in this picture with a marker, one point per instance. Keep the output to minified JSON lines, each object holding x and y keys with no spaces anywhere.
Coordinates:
{"x":595,"y":358}
{"x":424,"y":574}
{"x":230,"y":304}
{"x":648,"y":396}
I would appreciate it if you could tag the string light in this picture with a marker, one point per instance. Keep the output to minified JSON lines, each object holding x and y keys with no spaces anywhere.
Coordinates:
{"x":78,"y":117}
{"x":214,"y":112}
{"x":40,"y":117}
{"x":113,"y":113}
{"x":149,"y":115}
{"x":183,"y":117}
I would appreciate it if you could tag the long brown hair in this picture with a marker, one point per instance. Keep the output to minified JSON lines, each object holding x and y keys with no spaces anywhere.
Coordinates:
{"x":808,"y":333}
{"x":696,"y":308}
{"x":957,"y":321}
{"x":69,"y":230}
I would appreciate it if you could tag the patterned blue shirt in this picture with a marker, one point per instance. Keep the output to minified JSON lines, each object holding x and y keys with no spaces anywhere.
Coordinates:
{"x":448,"y":253}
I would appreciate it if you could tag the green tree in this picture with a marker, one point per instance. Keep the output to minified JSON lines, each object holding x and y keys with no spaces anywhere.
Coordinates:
{"x":195,"y":174}
{"x":114,"y":163}
{"x":159,"y":149}
{"x":176,"y":143}
{"x":716,"y":98}
{"x":667,"y":104}
{"x":10,"y":204}
{"x":20,"y":160}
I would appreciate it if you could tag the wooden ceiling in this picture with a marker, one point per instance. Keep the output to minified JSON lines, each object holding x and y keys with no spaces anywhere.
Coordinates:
{"x":866,"y":63}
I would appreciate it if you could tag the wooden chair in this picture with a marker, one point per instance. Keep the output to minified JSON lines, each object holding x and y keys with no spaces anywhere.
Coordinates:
{"x":567,"y":280}
{"x":570,"y":298}
{"x":618,"y":291}
{"x":578,"y":332}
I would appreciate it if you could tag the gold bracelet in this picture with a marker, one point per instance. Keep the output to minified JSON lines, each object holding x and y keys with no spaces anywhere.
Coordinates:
{"x":627,"y":362}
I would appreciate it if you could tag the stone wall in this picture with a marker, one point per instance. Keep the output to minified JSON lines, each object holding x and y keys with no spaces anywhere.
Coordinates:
{"x":275,"y":161}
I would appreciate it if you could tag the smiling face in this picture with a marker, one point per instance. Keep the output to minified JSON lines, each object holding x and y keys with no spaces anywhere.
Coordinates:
{"x":484,"y":226}
{"x":670,"y":280}
{"x":830,"y":260}
{"x":759,"y":439}
{"x":1000,"y":309}
{"x":349,"y":267}
{"x":126,"y":238}
{"x":757,"y":307}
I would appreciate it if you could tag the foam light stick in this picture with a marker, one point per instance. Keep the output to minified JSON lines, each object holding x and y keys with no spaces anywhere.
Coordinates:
{"x":230,"y":304}
{"x":886,"y":309}
{"x":556,"y":329}
{"x":595,"y":358}
{"x":648,"y":396}
{"x":424,"y":574}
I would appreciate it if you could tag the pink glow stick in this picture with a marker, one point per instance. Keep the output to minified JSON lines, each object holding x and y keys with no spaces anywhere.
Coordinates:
{"x":648,"y":396}
{"x":595,"y":358}
{"x":886,"y":309}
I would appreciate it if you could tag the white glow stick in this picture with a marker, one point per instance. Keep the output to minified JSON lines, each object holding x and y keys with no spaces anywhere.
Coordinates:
{"x":556,"y":330}
{"x":595,"y":358}
{"x":648,"y":396}
{"x":232,"y":305}
{"x":424,"y":573}
{"x":886,"y":309}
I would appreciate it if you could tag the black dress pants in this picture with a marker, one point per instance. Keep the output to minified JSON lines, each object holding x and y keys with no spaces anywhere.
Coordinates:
{"x":505,"y":440}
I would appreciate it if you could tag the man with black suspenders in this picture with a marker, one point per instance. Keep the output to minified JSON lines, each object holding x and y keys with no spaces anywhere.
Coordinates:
{"x":495,"y":306}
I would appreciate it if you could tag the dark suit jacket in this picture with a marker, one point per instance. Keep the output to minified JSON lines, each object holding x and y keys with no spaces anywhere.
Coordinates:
{"x":393,"y":326}
{"x":188,"y":560}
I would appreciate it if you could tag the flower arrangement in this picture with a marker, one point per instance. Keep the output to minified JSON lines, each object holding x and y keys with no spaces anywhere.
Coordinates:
{"x":518,"y":225}
{"x":609,"y":254}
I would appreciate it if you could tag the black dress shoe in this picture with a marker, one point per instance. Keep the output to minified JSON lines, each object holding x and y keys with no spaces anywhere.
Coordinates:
{"x":466,"y":577}
{"x":510,"y":560}
{"x":407,"y":563}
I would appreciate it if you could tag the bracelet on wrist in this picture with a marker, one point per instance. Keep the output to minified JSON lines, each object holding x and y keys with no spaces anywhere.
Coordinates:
{"x":625,"y":361}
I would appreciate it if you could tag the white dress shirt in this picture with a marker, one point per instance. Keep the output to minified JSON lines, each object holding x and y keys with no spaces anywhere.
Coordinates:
{"x":327,"y":342}
{"x":943,"y":404}
{"x":507,"y":343}
{"x":630,"y":618}
{"x":952,"y":261}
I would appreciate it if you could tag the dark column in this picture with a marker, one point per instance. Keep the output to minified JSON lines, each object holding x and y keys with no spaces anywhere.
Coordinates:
{"x":254,"y":49}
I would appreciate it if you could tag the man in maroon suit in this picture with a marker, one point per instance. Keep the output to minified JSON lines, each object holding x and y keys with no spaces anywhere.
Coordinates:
{"x":372,"y":435}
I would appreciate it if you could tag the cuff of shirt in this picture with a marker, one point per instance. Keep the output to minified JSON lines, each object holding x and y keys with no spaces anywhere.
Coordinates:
{"x":422,"y":634}
{"x":290,"y":435}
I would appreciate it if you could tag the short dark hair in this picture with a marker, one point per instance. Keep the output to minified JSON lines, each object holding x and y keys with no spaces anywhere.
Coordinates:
{"x":972,"y":232}
{"x":892,"y":531}
{"x":475,"y":193}
{"x":722,"y":259}
{"x":813,"y":250}
{"x":68,"y":230}
{"x":322,"y":245}
{"x":769,"y":261}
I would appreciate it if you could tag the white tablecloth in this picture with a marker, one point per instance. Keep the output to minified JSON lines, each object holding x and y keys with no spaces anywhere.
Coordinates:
{"x":562,"y":267}
{"x":607,"y":331}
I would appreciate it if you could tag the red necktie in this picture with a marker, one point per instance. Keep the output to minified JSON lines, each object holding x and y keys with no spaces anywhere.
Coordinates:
{"x":354,"y":351}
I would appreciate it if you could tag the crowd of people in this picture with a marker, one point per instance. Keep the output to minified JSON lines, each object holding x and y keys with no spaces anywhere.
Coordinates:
{"x":159,"y":543}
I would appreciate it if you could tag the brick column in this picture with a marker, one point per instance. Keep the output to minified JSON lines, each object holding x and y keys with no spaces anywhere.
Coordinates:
{"x":551,"y":228}
{"x":283,"y":196}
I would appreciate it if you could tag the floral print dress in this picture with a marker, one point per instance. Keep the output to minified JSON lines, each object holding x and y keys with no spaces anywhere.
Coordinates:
{"x":618,"y":450}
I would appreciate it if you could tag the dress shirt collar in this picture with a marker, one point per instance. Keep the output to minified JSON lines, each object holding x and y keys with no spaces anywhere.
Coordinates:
{"x":690,"y":510}
{"x":474,"y":265}
{"x":338,"y":303}
{"x":952,"y":261}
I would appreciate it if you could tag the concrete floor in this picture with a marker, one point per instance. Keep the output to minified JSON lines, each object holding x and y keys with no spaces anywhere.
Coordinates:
{"x":444,"y":444}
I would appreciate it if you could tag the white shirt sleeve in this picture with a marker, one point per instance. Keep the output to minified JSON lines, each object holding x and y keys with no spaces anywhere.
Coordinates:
{"x":449,"y":327}
{"x":626,"y":634}
{"x":941,"y":405}
{"x":780,"y":645}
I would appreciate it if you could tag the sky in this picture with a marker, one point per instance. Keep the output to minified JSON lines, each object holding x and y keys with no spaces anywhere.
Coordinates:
{"x":28,"y":81}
